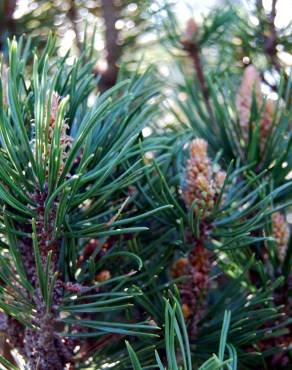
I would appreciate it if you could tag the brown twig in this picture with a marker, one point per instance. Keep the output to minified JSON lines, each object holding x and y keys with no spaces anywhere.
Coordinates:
{"x":194,"y":52}
{"x":273,"y":87}
{"x":271,"y":39}
{"x":191,"y":46}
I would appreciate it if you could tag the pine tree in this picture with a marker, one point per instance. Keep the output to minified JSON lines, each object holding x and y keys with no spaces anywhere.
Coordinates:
{"x":128,"y":251}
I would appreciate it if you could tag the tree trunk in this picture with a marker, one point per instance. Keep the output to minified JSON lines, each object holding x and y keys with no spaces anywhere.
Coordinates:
{"x":111,"y":13}
{"x":7,"y":23}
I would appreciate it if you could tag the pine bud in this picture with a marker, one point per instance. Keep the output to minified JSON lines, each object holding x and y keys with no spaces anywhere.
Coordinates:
{"x":220,"y":178}
{"x":4,"y":80}
{"x":281,"y":232}
{"x":54,"y":107}
{"x":186,"y":311}
{"x":65,"y":139}
{"x":191,"y":28}
{"x":179,"y":267}
{"x":250,"y":82}
{"x":194,"y":289}
{"x":266,"y":121}
{"x":103,"y":275}
{"x":203,"y":184}
{"x":188,"y":39}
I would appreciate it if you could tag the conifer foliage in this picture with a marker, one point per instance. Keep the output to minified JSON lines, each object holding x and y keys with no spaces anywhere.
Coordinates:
{"x":130,"y":252}
{"x":66,"y":169}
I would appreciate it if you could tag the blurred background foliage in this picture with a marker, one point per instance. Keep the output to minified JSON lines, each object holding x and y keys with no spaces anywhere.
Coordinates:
{"x":119,"y":26}
{"x":242,"y":32}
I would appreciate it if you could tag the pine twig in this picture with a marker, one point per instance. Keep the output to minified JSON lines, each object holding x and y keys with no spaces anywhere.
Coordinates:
{"x":193,"y":50}
{"x":270,"y":41}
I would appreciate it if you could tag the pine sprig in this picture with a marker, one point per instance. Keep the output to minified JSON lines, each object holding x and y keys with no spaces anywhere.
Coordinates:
{"x":64,"y":181}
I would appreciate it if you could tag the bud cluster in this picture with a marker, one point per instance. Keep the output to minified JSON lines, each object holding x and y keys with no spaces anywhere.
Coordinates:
{"x":281,"y":232}
{"x":251,"y":88}
{"x":65,"y":139}
{"x":194,"y":289}
{"x":203,"y":182}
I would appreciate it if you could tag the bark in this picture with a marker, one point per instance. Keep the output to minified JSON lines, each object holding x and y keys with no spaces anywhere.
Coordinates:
{"x":41,"y":345}
{"x":111,"y":13}
{"x":7,"y":23}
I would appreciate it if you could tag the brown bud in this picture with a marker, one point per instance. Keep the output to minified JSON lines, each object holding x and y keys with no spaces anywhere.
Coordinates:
{"x":178,"y":268}
{"x":186,"y":310}
{"x":191,"y":28}
{"x":103,"y":275}
{"x":281,"y":232}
